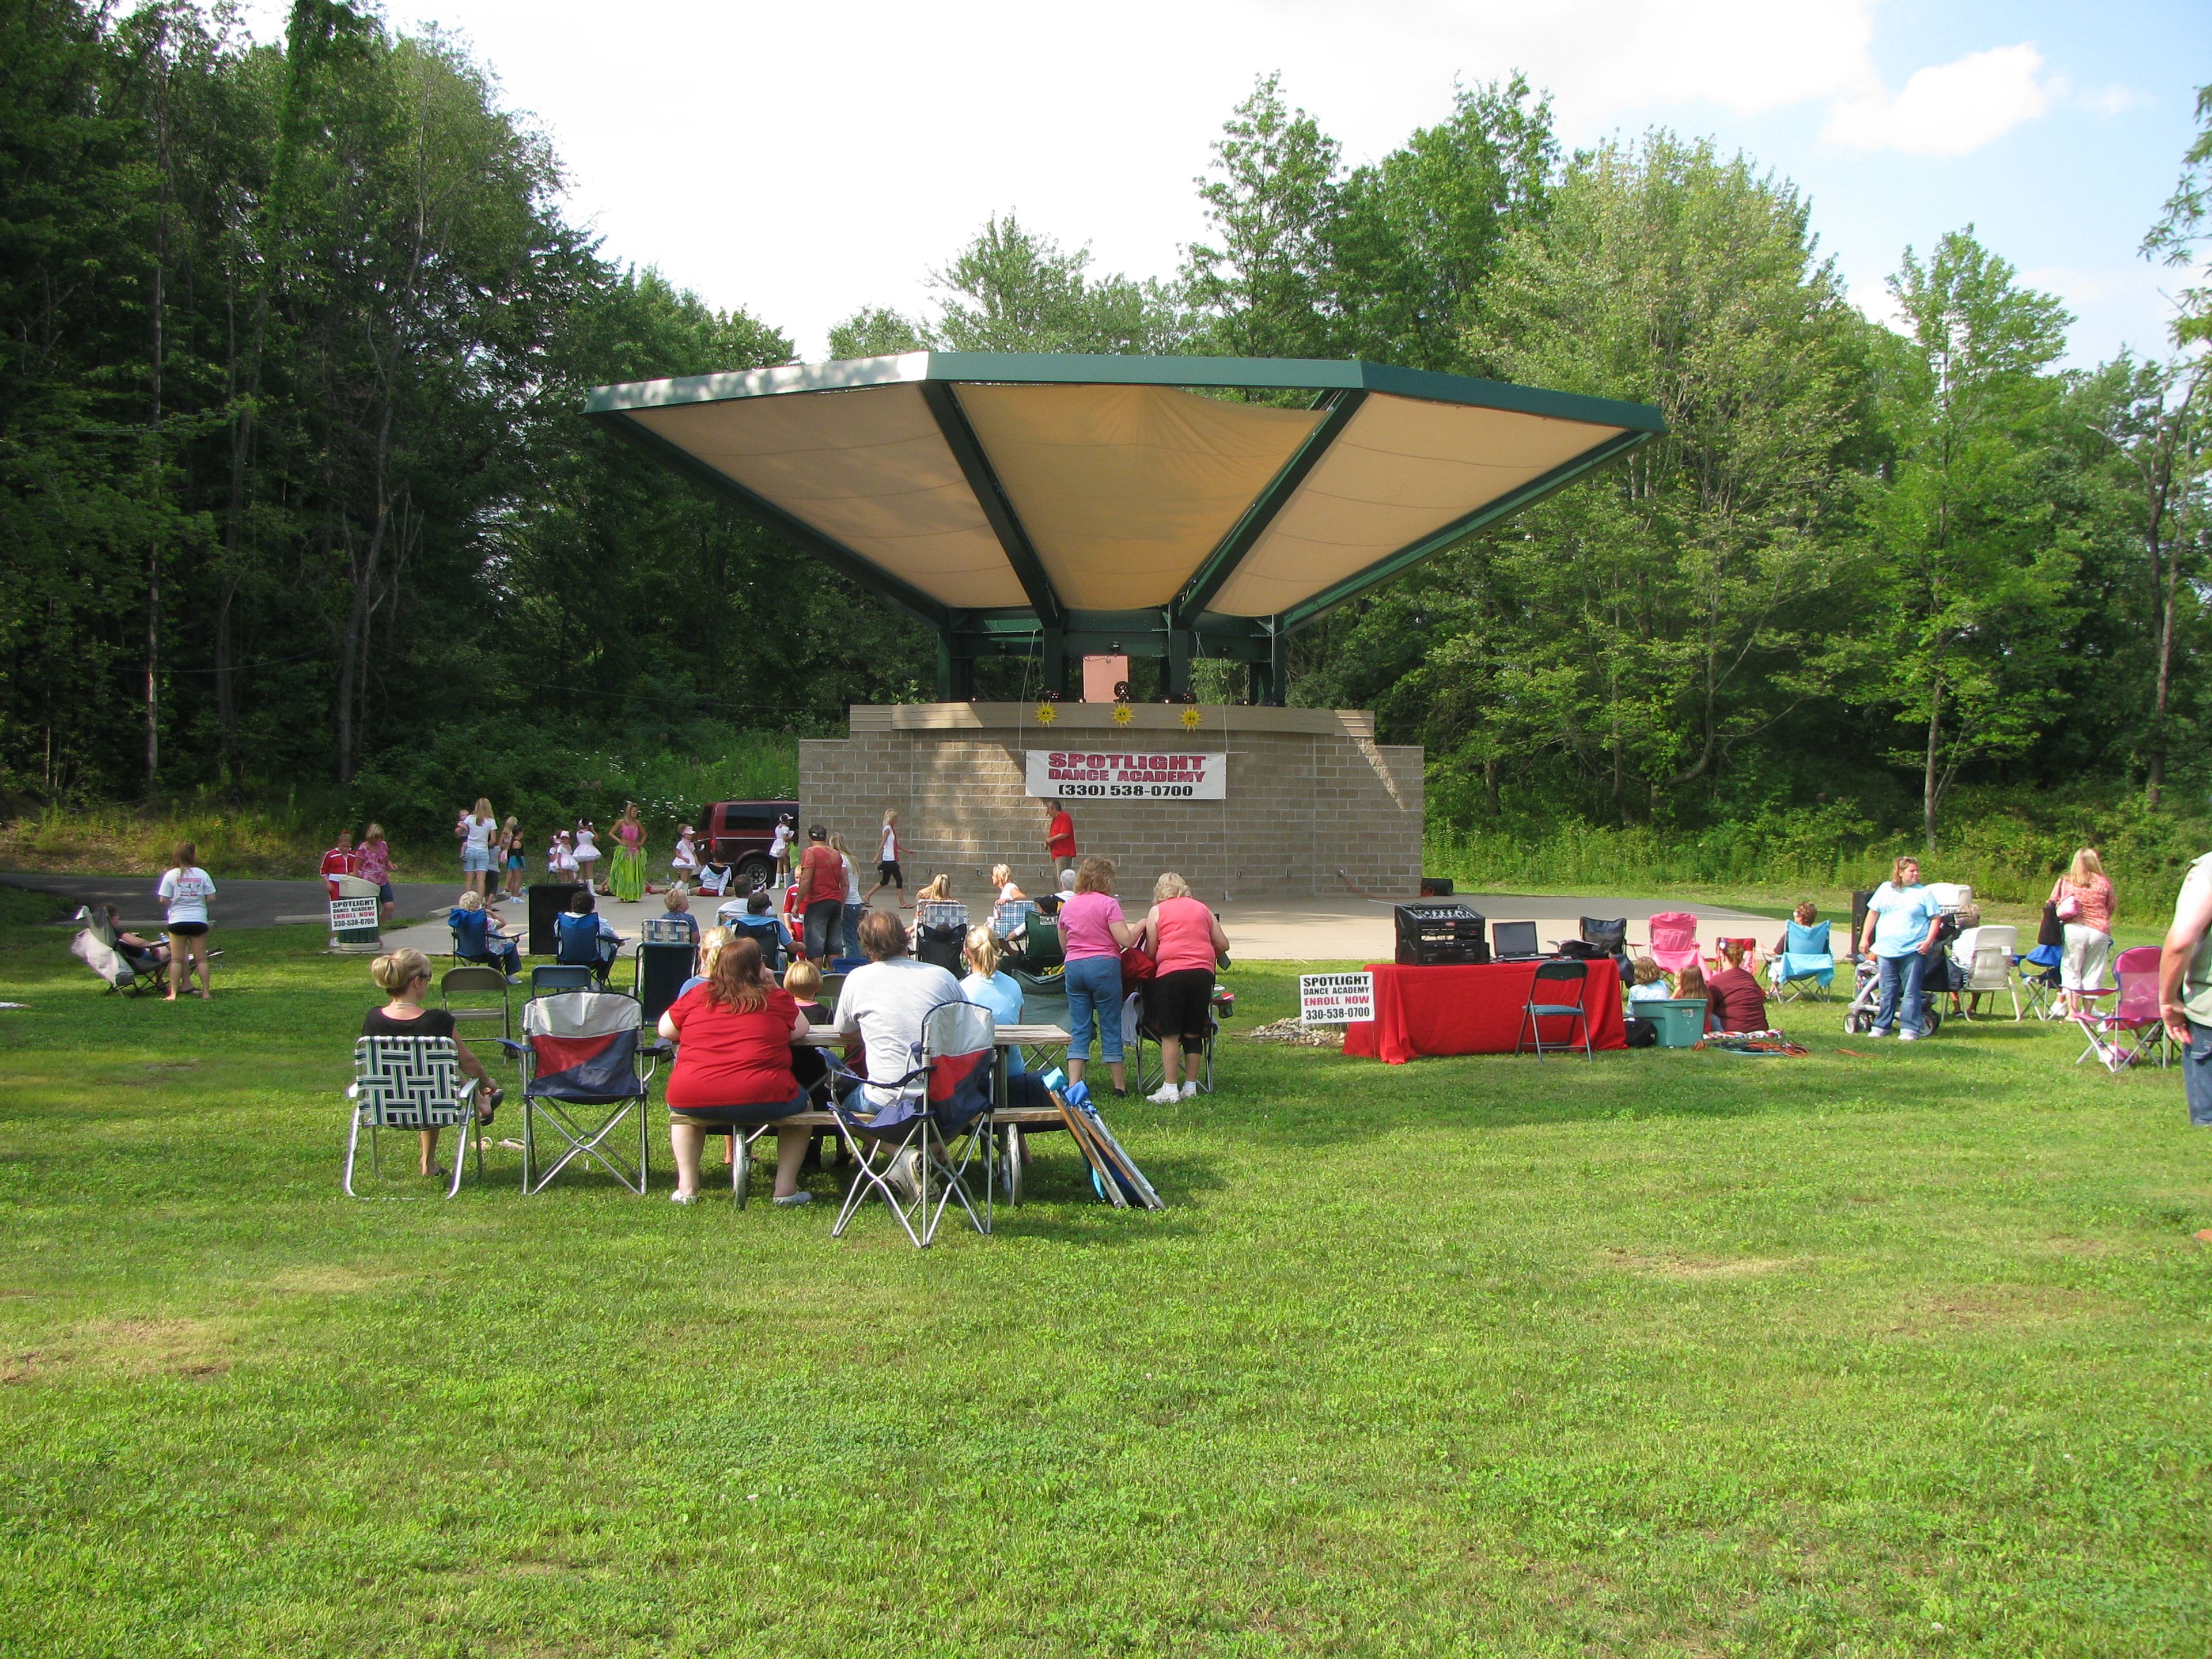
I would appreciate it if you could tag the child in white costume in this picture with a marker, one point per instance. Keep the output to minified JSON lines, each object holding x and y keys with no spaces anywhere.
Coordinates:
{"x":686,"y":864}
{"x":560,"y":857}
{"x":587,"y":852}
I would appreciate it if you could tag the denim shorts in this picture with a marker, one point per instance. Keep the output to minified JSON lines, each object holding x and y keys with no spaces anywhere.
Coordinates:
{"x":475,"y":858}
{"x":1094,"y":992}
{"x":2196,"y":1074}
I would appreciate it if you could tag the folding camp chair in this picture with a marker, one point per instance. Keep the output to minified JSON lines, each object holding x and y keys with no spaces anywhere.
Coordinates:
{"x":945,"y":1099}
{"x":2040,"y":982}
{"x":2132,"y":1030}
{"x":584,"y":1074}
{"x":1750,"y":947}
{"x":1569,"y":972}
{"x":472,"y":981}
{"x":409,"y":1083}
{"x":1608,"y":938}
{"x":548,"y":979}
{"x":122,"y":969}
{"x":1148,"y":1066}
{"x":1806,"y":966}
{"x":1674,"y":939}
{"x":1985,"y":955}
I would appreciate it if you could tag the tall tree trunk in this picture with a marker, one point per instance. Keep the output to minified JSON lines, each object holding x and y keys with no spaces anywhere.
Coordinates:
{"x":351,"y":662}
{"x":1928,"y":785}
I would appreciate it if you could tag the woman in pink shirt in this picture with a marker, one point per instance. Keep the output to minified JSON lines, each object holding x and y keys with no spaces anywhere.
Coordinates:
{"x":2084,"y":897}
{"x":1183,"y":936}
{"x":1093,"y":933}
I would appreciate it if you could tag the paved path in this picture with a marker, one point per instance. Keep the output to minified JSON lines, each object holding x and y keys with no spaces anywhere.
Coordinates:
{"x":1259,"y":928}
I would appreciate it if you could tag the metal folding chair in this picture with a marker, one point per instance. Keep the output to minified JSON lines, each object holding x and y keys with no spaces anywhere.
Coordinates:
{"x":943,"y":1103}
{"x":470,"y":981}
{"x":583,"y":1075}
{"x":2038,"y":975}
{"x":1571,"y":971}
{"x":409,"y":1083}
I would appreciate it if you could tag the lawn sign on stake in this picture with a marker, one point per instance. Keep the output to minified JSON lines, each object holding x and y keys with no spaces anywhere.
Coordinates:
{"x":1335,"y":999}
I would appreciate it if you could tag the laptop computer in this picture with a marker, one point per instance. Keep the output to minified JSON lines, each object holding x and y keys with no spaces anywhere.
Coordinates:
{"x":1513,"y":941}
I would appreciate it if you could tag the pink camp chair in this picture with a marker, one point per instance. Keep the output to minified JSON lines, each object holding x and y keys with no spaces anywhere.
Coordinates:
{"x":1674,"y":940}
{"x":2132,"y":1029}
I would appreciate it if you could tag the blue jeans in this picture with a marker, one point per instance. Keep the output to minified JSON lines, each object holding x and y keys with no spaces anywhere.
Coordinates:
{"x":852,"y":920}
{"x":1094,"y":991}
{"x":1907,"y":974}
{"x":2196,"y":1074}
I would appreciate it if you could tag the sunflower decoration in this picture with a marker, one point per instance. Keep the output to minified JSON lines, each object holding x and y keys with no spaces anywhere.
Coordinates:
{"x":1122,"y":714}
{"x":1046,"y":713}
{"x":1191,"y":718}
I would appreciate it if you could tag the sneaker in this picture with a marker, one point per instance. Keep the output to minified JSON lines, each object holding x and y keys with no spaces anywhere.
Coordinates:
{"x":683,"y":1198}
{"x":902,"y":1176}
{"x":1166,"y":1095}
{"x":1190,"y":1091}
{"x":1908,"y":1037}
{"x":1877,"y":1030}
{"x":789,"y":1200}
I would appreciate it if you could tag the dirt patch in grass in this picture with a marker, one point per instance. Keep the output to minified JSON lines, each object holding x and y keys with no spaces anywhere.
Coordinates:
{"x":1988,"y":1307}
{"x":1696,"y":1269}
{"x":135,"y":1347}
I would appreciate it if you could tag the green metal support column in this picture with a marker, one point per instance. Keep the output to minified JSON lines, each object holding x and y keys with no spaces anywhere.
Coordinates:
{"x":1175,"y":670}
{"x":1055,"y":661}
{"x":956,"y":672}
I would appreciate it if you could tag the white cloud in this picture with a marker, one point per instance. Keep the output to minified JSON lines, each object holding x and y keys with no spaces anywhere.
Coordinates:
{"x":1878,"y":304}
{"x":1950,"y":109}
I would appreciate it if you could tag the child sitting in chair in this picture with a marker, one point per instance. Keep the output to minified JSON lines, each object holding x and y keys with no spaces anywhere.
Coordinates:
{"x":587,"y":938}
{"x":678,"y":903}
{"x":478,"y":937}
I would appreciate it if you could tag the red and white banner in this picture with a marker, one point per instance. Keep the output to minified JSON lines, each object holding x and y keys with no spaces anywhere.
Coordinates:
{"x":1127,"y":774}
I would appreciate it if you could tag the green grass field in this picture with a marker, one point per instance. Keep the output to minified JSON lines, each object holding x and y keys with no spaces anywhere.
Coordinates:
{"x":1679,"y":1353}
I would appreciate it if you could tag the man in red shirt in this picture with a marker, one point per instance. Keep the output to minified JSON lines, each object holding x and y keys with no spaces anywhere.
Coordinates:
{"x":340,"y":860}
{"x":821,"y":892}
{"x":1059,"y":839}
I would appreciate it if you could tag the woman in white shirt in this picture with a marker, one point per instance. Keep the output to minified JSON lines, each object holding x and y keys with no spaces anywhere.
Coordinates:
{"x":186,"y":889}
{"x":850,"y":912}
{"x":477,"y":831}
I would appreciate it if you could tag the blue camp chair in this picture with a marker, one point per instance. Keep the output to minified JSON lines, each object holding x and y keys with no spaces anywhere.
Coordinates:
{"x":901,"y":1149}
{"x":1806,"y":966}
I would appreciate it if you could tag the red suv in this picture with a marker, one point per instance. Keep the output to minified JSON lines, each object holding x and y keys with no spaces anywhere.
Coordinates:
{"x":739,"y":833}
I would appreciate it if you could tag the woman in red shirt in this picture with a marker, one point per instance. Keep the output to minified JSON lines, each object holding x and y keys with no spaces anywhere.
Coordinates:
{"x":1185,"y":939}
{"x":1734,"y":1001}
{"x":734,"y":1032}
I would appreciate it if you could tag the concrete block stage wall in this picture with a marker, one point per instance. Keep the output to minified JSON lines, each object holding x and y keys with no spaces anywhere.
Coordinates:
{"x":1310,"y":792}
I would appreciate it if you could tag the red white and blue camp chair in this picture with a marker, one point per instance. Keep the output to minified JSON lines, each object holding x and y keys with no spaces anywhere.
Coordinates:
{"x":411,"y":1083}
{"x":2131,"y":1031}
{"x":1674,"y":940}
{"x":585,"y":1073}
{"x":931,"y":1134}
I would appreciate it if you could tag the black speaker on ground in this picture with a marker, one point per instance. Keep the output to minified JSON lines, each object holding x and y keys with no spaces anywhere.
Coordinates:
{"x":1439,"y":934}
{"x":661,"y":971}
{"x":1436,"y":886}
{"x":548,"y":899}
{"x":1858,"y":918}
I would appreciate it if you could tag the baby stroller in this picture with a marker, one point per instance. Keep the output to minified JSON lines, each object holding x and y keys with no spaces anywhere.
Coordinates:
{"x":1866,"y":994}
{"x":122,"y":967}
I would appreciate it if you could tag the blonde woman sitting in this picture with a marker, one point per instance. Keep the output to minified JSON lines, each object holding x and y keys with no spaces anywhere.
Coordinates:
{"x":403,"y":977}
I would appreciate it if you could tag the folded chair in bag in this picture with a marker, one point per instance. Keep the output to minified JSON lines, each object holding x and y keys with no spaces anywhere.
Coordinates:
{"x":2131,"y":1031}
{"x":901,"y":1149}
{"x":583,"y":1075}
{"x":1544,"y":1003}
{"x":1674,"y":940}
{"x":1806,"y":966}
{"x":411,"y":1083}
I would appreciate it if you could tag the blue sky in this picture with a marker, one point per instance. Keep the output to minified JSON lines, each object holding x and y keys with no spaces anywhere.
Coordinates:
{"x":802,"y":161}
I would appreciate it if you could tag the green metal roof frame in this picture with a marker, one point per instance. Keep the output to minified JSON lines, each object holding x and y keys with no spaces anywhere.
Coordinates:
{"x":1341,"y":387}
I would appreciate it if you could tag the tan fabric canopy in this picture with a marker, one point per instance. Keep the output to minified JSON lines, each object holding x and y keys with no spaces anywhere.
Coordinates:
{"x":968,"y":483}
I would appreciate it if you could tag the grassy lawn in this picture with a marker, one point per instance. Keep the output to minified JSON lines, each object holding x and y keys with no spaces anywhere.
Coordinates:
{"x":1677,"y":1354}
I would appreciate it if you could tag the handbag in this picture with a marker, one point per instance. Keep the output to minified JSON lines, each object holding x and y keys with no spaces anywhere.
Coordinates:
{"x":2051,"y":933}
{"x":1137,"y":967}
{"x":2070,"y":906}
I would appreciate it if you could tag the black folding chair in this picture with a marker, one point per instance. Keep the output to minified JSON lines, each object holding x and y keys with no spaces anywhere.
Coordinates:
{"x":944,"y":1103}
{"x":1567,"y":972}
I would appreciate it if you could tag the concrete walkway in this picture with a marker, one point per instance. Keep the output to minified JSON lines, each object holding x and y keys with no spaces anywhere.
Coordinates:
{"x":1259,"y":928}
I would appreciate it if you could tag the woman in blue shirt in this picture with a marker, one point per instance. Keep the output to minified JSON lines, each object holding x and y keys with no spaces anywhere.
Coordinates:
{"x":987,"y":988}
{"x":1900,"y":931}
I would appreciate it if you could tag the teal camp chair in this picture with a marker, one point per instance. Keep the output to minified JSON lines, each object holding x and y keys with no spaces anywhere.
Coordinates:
{"x":1806,"y":966}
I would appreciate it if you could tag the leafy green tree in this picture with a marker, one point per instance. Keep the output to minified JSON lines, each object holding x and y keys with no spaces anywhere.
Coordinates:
{"x":1012,"y":290}
{"x":1261,"y":279}
{"x":2181,"y":230}
{"x":1414,"y":237}
{"x":877,"y":331}
{"x":1974,"y":574}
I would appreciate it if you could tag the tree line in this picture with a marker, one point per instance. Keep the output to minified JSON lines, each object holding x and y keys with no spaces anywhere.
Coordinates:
{"x":295,"y":490}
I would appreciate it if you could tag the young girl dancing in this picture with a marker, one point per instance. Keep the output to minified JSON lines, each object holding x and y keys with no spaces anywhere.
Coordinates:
{"x":588,"y":854}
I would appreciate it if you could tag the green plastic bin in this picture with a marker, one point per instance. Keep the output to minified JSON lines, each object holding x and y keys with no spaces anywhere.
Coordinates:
{"x":1681,"y":1020}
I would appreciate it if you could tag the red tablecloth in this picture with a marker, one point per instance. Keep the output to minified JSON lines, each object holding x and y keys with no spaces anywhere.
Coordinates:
{"x":1476,"y":1011}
